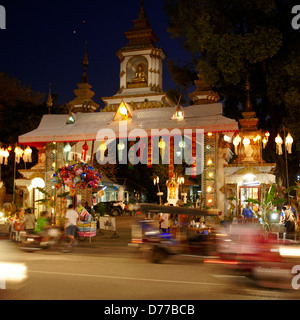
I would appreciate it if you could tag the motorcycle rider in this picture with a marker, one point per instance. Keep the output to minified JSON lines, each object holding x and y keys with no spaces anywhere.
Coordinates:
{"x":42,"y":225}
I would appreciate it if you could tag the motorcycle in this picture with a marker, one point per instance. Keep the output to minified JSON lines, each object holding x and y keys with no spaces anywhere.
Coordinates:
{"x":57,"y":239}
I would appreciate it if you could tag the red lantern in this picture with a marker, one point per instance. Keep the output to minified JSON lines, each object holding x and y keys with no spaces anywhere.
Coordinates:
{"x":85,"y":149}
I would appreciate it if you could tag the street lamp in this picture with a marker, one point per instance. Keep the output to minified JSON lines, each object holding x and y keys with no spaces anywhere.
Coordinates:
{"x":156,"y":182}
{"x":288,"y":140}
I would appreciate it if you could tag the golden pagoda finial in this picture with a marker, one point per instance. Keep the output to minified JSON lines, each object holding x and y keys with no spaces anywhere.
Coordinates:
{"x":142,"y":14}
{"x":49,"y":101}
{"x":85,"y":64}
{"x":248,"y":103}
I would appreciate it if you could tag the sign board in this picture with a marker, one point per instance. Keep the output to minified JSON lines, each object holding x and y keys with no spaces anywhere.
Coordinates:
{"x":108,"y":223}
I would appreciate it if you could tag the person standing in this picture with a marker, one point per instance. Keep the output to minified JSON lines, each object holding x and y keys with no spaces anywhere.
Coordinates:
{"x":163,"y":222}
{"x":29,"y":221}
{"x":71,"y":220}
{"x":289,"y":222}
{"x":247,"y":213}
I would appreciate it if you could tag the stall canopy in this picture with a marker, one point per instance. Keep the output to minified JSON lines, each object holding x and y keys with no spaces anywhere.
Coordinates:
{"x":54,"y":128}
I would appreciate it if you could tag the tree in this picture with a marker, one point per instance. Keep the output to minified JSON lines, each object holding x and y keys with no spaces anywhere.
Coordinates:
{"x":20,"y":112}
{"x":232,"y":39}
{"x":267,"y":205}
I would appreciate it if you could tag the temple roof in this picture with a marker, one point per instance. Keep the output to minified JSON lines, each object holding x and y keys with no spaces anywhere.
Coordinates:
{"x":54,"y":128}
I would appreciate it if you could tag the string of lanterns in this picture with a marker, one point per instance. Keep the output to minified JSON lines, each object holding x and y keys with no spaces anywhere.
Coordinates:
{"x":25,"y":154}
{"x":288,"y":143}
{"x":264,"y":140}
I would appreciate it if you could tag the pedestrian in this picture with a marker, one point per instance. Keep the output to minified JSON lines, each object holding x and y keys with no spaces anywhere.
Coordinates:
{"x":71,"y":220}
{"x":28,"y":221}
{"x":247,"y":213}
{"x":163,"y":222}
{"x":289,"y":222}
{"x":294,"y":211}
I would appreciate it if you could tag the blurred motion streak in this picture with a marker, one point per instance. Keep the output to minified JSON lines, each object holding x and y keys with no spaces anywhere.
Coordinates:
{"x":13,"y":272}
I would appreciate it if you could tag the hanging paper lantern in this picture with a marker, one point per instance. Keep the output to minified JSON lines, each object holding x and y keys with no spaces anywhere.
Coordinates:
{"x":6,"y":155}
{"x":264,"y":141}
{"x":27,"y":155}
{"x":121,"y":147}
{"x":67,"y":150}
{"x":19,"y":153}
{"x":85,"y":149}
{"x":279,"y":142}
{"x":236,"y":141}
{"x":162,"y":147}
{"x":1,"y":155}
{"x":246,"y":142}
{"x":289,"y":142}
{"x":102,"y":148}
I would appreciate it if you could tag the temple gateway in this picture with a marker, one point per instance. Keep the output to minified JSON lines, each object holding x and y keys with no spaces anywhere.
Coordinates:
{"x":143,"y":116}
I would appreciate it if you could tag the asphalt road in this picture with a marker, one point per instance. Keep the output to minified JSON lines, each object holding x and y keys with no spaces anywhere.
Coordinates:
{"x":107,"y":269}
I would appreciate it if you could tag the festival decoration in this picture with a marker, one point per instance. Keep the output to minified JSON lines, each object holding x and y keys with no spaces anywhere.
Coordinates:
{"x":121,"y":147}
{"x":85,"y":149}
{"x":19,"y":153}
{"x":289,"y":142}
{"x":162,"y":147}
{"x":27,"y":157}
{"x":4,"y":154}
{"x":80,"y":175}
{"x":102,"y":148}
{"x":279,"y":142}
{"x":67,"y":150}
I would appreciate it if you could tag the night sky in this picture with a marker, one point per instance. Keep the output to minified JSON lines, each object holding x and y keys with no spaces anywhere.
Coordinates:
{"x":39,"y":45}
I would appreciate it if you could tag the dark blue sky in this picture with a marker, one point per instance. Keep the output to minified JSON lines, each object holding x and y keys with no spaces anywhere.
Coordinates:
{"x":39,"y":45}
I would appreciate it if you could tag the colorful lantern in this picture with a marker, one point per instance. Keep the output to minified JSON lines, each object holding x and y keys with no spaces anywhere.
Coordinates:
{"x":85,"y":149}
{"x":27,"y":157}
{"x":236,"y":141}
{"x":121,"y":147}
{"x":279,"y":142}
{"x":102,"y":148}
{"x":162,"y":147}
{"x":289,"y":142}
{"x":19,"y":153}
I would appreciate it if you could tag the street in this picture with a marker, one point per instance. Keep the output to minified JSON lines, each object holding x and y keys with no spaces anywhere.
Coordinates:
{"x":126,"y":276}
{"x":108,"y":269}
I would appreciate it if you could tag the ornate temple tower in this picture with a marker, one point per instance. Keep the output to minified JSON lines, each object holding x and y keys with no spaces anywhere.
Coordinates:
{"x":83,"y":102}
{"x":141,"y":69}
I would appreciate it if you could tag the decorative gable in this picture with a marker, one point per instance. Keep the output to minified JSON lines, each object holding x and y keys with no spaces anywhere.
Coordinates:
{"x":124,"y":112}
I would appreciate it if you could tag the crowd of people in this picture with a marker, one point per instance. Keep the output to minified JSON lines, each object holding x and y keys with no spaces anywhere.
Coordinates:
{"x":26,"y":221}
{"x":287,"y":217}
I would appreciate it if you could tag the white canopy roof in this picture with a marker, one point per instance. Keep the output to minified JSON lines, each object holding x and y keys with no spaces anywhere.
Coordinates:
{"x":53,"y":128}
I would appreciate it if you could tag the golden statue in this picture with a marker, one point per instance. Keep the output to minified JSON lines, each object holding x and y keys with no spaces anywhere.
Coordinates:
{"x":140,"y":75}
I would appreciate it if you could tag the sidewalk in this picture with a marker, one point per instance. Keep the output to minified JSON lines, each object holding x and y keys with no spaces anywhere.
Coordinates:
{"x":118,"y":239}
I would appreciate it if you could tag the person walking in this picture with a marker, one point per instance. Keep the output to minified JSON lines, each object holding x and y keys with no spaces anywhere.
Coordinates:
{"x":71,"y":220}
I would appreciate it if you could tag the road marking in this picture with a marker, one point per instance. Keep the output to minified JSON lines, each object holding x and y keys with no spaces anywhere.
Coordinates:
{"x":127,"y":278}
{"x":226,"y":276}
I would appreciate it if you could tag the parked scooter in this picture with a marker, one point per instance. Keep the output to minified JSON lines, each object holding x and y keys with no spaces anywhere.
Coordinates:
{"x":57,"y":239}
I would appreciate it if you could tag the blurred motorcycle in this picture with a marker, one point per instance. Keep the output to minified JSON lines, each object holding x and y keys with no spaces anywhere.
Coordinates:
{"x":261,"y":257}
{"x":57,"y":240}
